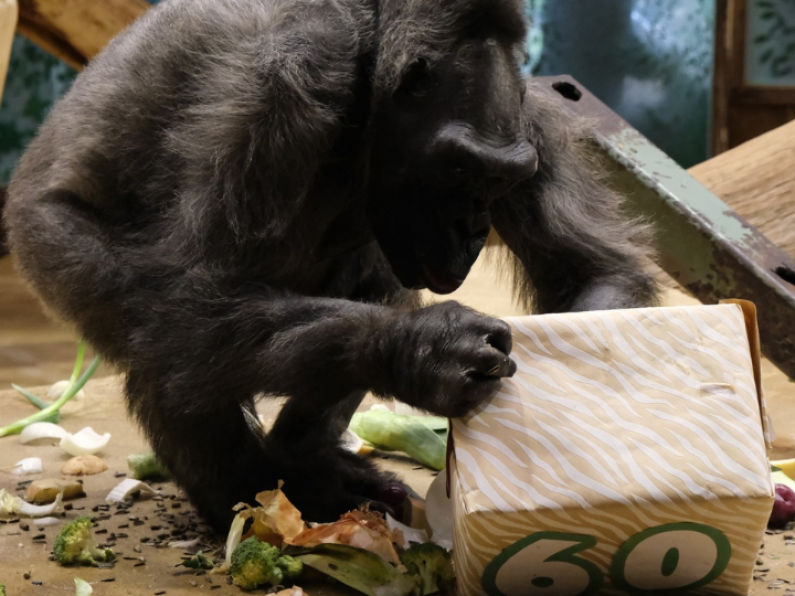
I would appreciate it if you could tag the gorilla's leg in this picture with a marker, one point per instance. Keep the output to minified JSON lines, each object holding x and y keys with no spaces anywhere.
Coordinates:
{"x":305,"y":440}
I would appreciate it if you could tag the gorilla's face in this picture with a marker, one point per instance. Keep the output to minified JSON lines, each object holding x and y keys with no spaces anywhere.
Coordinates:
{"x":448,"y":144}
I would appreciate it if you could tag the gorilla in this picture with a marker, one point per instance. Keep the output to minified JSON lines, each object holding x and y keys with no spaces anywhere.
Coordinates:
{"x":241,"y":198}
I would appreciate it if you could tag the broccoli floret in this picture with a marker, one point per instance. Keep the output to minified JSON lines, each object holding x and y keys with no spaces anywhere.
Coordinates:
{"x":2,"y":590}
{"x":256,"y":563}
{"x":75,"y":544}
{"x":431,"y":564}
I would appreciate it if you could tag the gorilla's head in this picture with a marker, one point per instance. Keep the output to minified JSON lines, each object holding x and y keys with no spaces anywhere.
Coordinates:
{"x":448,"y":141}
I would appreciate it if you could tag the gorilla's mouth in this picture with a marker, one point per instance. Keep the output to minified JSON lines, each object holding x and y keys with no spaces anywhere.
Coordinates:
{"x":440,"y":283}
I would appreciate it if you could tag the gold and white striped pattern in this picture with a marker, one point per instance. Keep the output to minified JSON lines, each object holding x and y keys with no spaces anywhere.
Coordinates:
{"x":615,"y":422}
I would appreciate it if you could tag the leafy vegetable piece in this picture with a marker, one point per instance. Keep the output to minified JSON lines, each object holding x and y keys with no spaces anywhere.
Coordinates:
{"x":256,"y":564}
{"x":34,"y":399}
{"x":197,"y":561}
{"x":2,"y":589}
{"x":431,"y":564}
{"x":146,"y":466}
{"x":82,"y":587}
{"x":397,"y":432}
{"x":75,"y":544}
{"x":51,"y":412}
{"x":359,"y":569}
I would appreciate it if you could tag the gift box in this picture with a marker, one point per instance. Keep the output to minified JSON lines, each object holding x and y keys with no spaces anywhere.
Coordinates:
{"x":628,"y":454}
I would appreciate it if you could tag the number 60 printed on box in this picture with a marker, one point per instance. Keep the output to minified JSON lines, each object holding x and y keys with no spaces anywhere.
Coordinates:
{"x":675,"y":557}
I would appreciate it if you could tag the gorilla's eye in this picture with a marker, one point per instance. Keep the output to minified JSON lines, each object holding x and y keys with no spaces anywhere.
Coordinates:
{"x":414,"y":81}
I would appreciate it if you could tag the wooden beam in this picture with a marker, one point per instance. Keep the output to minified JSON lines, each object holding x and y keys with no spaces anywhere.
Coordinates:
{"x":8,"y":20}
{"x":76,"y":30}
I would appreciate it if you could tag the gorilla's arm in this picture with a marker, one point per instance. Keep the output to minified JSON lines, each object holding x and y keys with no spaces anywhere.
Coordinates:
{"x":573,"y":248}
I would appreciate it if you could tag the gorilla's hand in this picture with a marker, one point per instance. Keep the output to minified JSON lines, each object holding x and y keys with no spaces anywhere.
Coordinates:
{"x":444,"y":358}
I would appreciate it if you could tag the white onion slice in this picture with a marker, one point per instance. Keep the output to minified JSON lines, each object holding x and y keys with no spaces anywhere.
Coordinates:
{"x":86,"y":441}
{"x":409,"y":534}
{"x":185,"y":544}
{"x":41,"y":432}
{"x":48,"y":521}
{"x":127,"y":488}
{"x":29,"y":465}
{"x":31,"y":510}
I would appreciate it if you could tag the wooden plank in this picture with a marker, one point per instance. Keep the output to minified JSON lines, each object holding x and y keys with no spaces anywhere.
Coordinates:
{"x":77,"y":30}
{"x":8,"y":19}
{"x":757,"y":180}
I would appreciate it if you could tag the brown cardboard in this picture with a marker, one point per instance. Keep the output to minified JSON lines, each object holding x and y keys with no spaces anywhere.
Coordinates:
{"x":627,"y":454}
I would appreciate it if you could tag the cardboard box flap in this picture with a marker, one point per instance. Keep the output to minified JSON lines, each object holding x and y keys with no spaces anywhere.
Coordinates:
{"x":619,"y":407}
{"x":754,"y":346}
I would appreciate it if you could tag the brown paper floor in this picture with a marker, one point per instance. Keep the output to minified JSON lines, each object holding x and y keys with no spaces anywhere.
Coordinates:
{"x":34,"y":351}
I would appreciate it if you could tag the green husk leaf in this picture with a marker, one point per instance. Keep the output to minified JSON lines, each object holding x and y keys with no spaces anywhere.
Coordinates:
{"x":359,"y":569}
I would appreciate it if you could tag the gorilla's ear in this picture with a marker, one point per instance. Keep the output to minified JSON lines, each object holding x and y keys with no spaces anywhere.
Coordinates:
{"x":413,"y":80}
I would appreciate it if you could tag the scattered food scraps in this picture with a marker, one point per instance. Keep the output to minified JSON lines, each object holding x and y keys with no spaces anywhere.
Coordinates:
{"x":47,"y":490}
{"x":86,"y":441}
{"x":359,"y":569}
{"x":431,"y":565}
{"x":82,"y":587}
{"x":75,"y":545}
{"x":27,"y":467}
{"x":396,"y":432}
{"x":197,"y":561}
{"x":146,"y":466}
{"x":363,"y":529}
{"x":11,"y":506}
{"x":51,"y":412}
{"x":41,"y":433}
{"x":128,"y":489}
{"x":84,"y":465}
{"x":256,"y":564}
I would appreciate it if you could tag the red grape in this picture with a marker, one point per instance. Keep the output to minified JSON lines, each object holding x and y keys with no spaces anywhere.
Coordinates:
{"x":783,"y":508}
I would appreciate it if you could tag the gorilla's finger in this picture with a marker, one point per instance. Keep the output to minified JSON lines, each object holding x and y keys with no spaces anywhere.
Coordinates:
{"x":499,"y":336}
{"x":490,"y":363}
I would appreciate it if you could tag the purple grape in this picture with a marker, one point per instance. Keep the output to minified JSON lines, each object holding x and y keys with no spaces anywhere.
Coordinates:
{"x":394,"y":495}
{"x":783,"y":508}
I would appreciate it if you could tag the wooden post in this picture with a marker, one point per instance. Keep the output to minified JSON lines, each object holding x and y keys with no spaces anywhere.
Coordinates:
{"x":9,"y":11}
{"x":76,"y":30}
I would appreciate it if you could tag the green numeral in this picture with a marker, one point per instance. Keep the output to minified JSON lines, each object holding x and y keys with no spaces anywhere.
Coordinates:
{"x":544,"y":563}
{"x":670,"y":558}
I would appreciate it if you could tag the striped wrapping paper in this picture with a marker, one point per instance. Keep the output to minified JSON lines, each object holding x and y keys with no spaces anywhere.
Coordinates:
{"x":627,"y":455}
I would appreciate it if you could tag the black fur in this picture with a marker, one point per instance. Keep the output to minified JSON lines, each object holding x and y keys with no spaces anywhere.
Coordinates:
{"x":235,"y":196}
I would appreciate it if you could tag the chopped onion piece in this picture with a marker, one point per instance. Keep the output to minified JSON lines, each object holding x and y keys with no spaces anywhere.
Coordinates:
{"x":31,"y":510}
{"x":86,"y":441}
{"x":127,"y":489}
{"x":185,"y":544}
{"x":48,"y":521}
{"x":403,"y":535}
{"x":58,"y":389}
{"x":41,"y":432}
{"x":233,"y":539}
{"x":29,"y":465}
